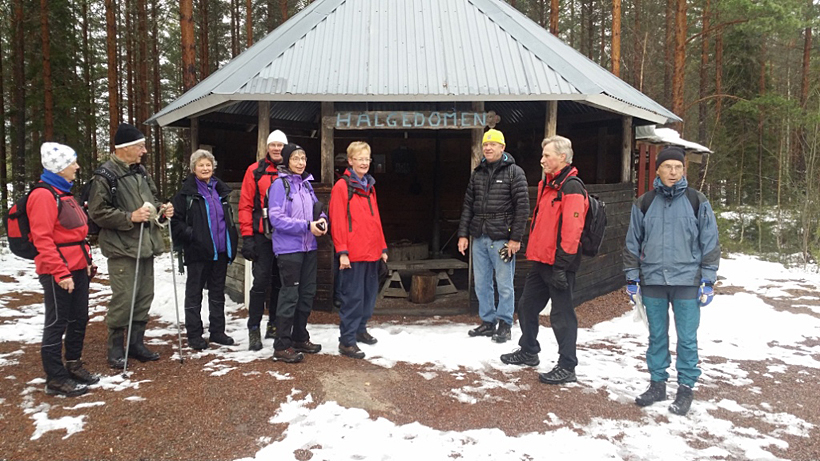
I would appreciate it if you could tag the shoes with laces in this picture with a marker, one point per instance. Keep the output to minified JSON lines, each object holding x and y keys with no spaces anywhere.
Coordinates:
{"x":485,"y":329}
{"x":307,"y":347}
{"x":351,"y":351}
{"x":558,"y":375}
{"x":289,"y":355}
{"x":79,"y":373}
{"x":519,"y":357}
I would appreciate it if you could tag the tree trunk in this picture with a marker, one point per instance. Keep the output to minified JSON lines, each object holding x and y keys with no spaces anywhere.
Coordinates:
{"x":144,"y":108}
{"x":704,"y":63}
{"x":4,"y":179}
{"x":801,"y":146}
{"x":111,"y":47}
{"x":48,"y":87}
{"x":636,"y":45}
{"x":270,"y":20}
{"x":186,"y":14}
{"x":249,"y":23}
{"x":204,"y":41}
{"x":87,"y":158}
{"x":234,"y":30}
{"x":616,"y":37}
{"x":718,"y":73}
{"x":159,"y":154}
{"x":554,"y":11}
{"x":283,"y":9}
{"x":680,"y":62}
{"x":18,"y":119}
{"x":130,"y":63}
{"x":760,"y":126}
{"x":667,"y":51}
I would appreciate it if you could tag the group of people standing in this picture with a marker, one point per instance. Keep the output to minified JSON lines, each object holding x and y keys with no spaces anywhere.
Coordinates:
{"x":280,"y":219}
{"x":671,"y":255}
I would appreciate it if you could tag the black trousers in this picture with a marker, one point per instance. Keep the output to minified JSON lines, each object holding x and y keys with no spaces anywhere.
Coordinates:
{"x":537,"y":291}
{"x":265,"y":283}
{"x":66,"y":313}
{"x":201,"y":274}
{"x":298,"y":275}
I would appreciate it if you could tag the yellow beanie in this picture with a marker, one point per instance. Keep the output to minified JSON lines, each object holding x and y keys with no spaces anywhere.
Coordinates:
{"x":494,"y":136}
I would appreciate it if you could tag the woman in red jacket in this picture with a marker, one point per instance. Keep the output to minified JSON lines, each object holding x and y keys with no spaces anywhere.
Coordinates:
{"x":357,"y":233}
{"x":63,"y":262}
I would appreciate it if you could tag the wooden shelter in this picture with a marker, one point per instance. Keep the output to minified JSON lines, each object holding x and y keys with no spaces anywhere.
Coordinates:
{"x":420,"y":80}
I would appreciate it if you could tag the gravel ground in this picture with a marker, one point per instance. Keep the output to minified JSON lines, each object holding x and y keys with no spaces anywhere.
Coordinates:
{"x":189,"y":414}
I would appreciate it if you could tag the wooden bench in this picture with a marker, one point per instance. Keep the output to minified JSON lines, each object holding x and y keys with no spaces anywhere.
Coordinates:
{"x":443,"y":267}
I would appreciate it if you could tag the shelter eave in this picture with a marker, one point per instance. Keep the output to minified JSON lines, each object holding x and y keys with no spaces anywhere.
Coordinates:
{"x":611,"y":104}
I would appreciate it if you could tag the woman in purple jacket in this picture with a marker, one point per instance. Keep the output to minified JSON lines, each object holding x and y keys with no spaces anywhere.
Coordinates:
{"x":295,"y":228}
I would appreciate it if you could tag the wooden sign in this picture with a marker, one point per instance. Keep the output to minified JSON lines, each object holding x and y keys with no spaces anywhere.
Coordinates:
{"x":405,"y":120}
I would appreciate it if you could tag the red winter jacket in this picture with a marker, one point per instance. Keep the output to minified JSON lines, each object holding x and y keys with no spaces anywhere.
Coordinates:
{"x":555,"y":233}
{"x":48,"y":230}
{"x":252,"y":221}
{"x":361,"y":238}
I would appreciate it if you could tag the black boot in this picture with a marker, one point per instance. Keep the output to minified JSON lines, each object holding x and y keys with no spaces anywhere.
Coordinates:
{"x":655,"y":393}
{"x":137,"y":348}
{"x":683,"y":400}
{"x":254,"y":339}
{"x":80,"y":374}
{"x":116,"y":351}
{"x":503,"y":333}
{"x":67,"y":387}
{"x":270,"y":333}
{"x":485,"y":329}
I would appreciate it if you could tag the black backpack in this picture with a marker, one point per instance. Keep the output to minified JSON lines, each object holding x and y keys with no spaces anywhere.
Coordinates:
{"x":594,"y":231}
{"x":112,"y":179}
{"x":18,"y":227}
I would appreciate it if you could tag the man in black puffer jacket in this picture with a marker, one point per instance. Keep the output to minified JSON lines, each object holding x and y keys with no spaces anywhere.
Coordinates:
{"x":495,"y":211}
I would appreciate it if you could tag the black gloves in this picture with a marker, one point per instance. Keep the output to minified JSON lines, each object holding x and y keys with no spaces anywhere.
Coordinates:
{"x":559,"y":279}
{"x":249,"y":248}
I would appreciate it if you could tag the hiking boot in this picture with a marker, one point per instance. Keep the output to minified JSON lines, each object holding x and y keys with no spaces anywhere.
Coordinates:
{"x":254,"y":340}
{"x":683,"y":400}
{"x":519,"y":357}
{"x":655,"y":393}
{"x":366,"y":338}
{"x":351,"y":351}
{"x":288,"y":355}
{"x":221,"y":338}
{"x":307,"y":347}
{"x":66,"y":386}
{"x":80,"y":374}
{"x":270,"y":333}
{"x":503,"y":333}
{"x":485,"y":329}
{"x":558,"y":375}
{"x":197,"y":343}
{"x":116,"y":351}
{"x":137,"y":347}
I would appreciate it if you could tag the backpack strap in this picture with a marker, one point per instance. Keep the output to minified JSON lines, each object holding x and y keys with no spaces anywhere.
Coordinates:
{"x":691,"y":194}
{"x":261,"y":170}
{"x":111,"y":178}
{"x":350,"y":193}
{"x":50,"y":188}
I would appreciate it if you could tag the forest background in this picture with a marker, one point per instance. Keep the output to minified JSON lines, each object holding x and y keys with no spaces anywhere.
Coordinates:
{"x":744,"y":75}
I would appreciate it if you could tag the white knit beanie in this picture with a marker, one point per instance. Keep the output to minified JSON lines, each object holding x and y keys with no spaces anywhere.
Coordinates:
{"x":56,"y":157}
{"x":277,"y":136}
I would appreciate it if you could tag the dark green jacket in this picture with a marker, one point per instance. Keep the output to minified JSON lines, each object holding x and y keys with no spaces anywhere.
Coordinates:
{"x":119,"y":236}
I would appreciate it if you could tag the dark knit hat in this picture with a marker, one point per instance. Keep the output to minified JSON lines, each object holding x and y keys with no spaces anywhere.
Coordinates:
{"x":127,"y":135}
{"x":670,"y":153}
{"x":288,"y":150}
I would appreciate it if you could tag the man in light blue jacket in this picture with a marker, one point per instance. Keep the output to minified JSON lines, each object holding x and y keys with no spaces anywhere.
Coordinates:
{"x":671,"y":256}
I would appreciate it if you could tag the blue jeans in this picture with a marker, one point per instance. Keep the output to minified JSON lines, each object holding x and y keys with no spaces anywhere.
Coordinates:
{"x":486,"y":260}
{"x":687,"y":320}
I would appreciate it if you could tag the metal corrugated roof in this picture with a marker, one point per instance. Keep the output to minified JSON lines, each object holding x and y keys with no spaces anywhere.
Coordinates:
{"x":411,"y":50}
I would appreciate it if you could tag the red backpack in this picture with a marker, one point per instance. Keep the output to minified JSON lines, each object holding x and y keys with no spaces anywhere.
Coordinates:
{"x":18,"y":227}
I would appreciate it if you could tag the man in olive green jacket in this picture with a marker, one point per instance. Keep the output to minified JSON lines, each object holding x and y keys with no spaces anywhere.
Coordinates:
{"x":122,"y":216}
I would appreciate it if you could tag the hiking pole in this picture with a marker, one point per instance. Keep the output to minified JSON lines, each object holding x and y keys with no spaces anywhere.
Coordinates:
{"x":133,"y":302}
{"x":174,"y":281}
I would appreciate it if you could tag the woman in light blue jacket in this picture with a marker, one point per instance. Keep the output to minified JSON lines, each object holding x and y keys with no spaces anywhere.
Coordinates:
{"x":296,"y":221}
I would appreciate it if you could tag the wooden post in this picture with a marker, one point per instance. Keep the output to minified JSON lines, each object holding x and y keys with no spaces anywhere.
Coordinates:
{"x":643,"y":153}
{"x":423,"y":287}
{"x":263,"y":129}
{"x":650,"y":176}
{"x":551,"y":125}
{"x":194,"y":134}
{"x":626,"y":149}
{"x":477,"y":135}
{"x":327,"y":145}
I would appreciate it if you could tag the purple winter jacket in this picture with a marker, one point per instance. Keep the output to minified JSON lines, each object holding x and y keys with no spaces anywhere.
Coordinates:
{"x":291,"y":217}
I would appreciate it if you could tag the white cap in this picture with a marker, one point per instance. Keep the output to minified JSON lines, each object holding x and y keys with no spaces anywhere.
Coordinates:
{"x":277,"y":136}
{"x":56,"y":157}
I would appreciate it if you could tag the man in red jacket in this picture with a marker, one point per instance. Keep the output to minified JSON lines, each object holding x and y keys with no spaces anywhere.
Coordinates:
{"x":554,"y":248}
{"x":256,"y":244}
